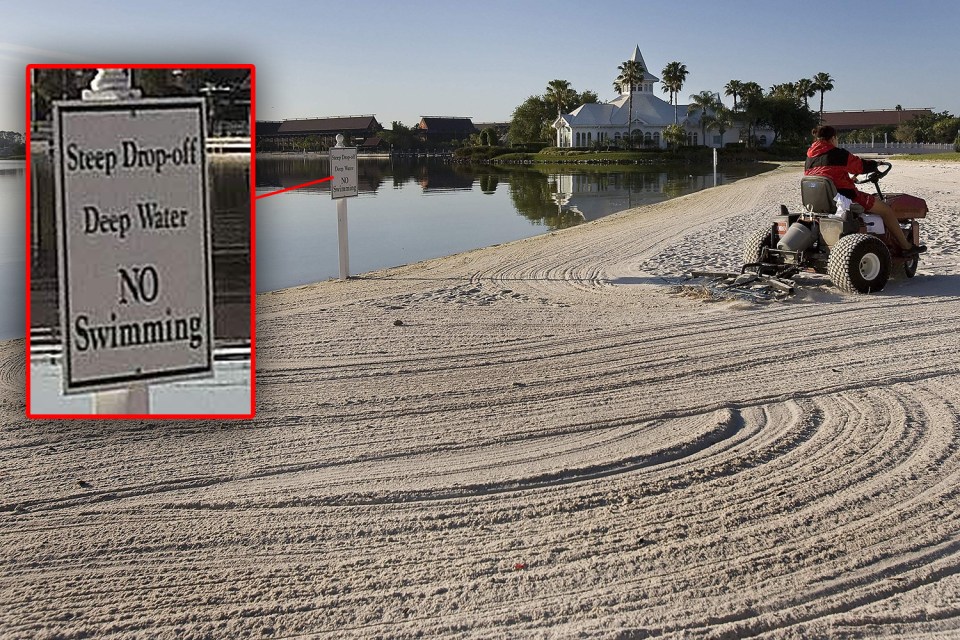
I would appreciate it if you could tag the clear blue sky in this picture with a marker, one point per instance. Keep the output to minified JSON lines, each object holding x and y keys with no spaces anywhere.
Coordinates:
{"x":400,"y":60}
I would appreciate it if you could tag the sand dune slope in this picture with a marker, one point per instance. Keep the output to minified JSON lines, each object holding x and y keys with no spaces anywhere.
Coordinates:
{"x":538,"y":439}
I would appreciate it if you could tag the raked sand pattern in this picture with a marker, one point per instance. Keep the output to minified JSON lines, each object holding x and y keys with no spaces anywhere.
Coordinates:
{"x":540,"y":439}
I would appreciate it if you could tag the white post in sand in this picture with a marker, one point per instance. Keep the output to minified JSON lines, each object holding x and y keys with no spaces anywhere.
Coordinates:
{"x":135,"y":399}
{"x":342,"y":239}
{"x":714,"y":166}
{"x":114,"y":84}
{"x":343,"y":168}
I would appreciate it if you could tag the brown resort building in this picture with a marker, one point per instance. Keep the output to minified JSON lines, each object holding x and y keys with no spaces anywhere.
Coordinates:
{"x":289,"y":135}
{"x":854,"y":120}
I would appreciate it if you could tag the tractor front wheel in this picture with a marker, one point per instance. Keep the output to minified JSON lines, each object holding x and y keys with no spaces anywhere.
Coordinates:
{"x":754,"y":245}
{"x":859,"y":263}
{"x":909,"y":266}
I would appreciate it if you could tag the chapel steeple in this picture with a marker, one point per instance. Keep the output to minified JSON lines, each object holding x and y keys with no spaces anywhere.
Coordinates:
{"x":646,"y":85}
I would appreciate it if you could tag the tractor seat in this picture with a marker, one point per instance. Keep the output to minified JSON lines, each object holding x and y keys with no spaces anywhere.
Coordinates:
{"x":817,"y":194}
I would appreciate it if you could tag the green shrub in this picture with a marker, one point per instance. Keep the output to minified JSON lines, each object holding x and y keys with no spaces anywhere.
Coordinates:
{"x":956,"y":143}
{"x":532,"y":147}
{"x":787,"y":151}
{"x":480,"y":153}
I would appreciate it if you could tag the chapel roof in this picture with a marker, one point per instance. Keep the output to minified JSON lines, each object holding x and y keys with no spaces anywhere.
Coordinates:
{"x":647,"y":109}
{"x":638,"y":57}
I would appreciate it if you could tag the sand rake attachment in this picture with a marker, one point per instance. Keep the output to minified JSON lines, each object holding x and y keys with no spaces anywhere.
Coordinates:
{"x":755,"y":280}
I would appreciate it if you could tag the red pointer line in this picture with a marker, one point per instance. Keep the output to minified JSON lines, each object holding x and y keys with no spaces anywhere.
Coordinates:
{"x":305,"y":184}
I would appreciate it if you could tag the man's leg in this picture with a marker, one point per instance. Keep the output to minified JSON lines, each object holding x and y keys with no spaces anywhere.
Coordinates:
{"x":890,"y":221}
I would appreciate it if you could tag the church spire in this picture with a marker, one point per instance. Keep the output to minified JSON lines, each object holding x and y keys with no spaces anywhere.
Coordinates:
{"x":649,"y":79}
{"x":638,"y":57}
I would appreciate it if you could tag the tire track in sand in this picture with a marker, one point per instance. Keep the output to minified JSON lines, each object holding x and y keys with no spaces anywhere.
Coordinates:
{"x":550,"y":444}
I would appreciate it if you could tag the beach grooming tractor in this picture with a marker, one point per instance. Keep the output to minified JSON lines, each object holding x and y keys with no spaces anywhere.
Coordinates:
{"x":831,"y":236}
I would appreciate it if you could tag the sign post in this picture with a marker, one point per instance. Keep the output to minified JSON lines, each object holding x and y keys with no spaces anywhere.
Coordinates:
{"x":714,"y":166}
{"x":133,"y":228}
{"x":343,"y":168}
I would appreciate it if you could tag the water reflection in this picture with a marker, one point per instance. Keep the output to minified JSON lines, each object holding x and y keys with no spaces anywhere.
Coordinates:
{"x":583,"y":190}
{"x":540,"y":199}
{"x":555,"y":196}
{"x":12,"y":220}
{"x":414,"y":209}
{"x":594,"y":196}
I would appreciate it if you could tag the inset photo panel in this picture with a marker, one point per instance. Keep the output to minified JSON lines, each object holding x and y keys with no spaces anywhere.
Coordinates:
{"x":140,"y":253}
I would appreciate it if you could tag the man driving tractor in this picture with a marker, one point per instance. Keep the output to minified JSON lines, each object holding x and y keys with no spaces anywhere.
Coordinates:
{"x":825,"y":158}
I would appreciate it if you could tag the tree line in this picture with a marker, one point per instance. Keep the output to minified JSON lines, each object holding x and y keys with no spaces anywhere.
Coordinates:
{"x":784,"y":108}
{"x":532,"y":119}
{"x":942,"y":127}
{"x":12,"y":144}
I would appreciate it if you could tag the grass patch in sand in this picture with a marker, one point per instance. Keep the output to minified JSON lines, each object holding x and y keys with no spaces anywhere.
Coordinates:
{"x":924,"y":157}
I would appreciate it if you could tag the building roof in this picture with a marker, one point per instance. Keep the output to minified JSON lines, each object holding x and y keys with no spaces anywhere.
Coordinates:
{"x":874,"y":118}
{"x":372,"y":142}
{"x":329,"y":125}
{"x":638,"y":57}
{"x":268,"y":127}
{"x":448,"y":125}
{"x":648,"y":110}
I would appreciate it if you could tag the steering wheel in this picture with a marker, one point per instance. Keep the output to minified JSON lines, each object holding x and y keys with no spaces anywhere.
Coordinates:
{"x":883,"y":168}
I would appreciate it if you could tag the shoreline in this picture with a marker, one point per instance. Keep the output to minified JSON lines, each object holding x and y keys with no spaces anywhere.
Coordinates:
{"x":539,"y":437}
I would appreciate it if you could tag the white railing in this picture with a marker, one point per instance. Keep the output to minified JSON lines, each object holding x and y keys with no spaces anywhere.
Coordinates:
{"x":897,"y":147}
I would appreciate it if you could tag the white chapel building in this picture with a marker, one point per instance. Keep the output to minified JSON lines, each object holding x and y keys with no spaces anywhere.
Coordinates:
{"x":607,"y":121}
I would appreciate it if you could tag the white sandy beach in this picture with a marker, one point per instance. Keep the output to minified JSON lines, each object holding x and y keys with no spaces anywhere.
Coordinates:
{"x":539,"y":439}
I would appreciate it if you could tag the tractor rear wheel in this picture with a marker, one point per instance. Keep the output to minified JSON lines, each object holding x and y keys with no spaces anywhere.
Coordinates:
{"x":859,"y":263}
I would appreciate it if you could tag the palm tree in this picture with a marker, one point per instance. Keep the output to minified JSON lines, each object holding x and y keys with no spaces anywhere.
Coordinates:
{"x":631,"y":75}
{"x":558,"y":93}
{"x":674,"y":135}
{"x":822,"y":82}
{"x":721,"y":120}
{"x":785,"y":90}
{"x":805,"y":90}
{"x":734,"y":88}
{"x":751,"y":90}
{"x":749,"y":93}
{"x":674,"y":75}
{"x":704,"y":102}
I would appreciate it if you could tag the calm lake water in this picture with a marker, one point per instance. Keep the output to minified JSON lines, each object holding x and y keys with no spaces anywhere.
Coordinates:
{"x":12,"y":248}
{"x":407,"y":211}
{"x":412,"y":210}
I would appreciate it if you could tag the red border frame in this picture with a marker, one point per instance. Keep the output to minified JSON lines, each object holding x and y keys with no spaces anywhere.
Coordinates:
{"x":253,"y":244}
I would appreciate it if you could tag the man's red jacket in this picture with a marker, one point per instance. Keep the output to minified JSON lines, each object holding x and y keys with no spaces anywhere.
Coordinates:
{"x":824,"y":159}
